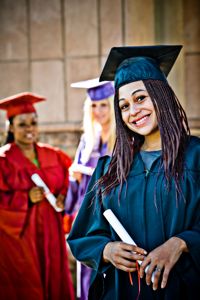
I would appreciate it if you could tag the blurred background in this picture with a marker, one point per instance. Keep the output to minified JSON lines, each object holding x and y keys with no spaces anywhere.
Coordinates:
{"x":45,"y":45}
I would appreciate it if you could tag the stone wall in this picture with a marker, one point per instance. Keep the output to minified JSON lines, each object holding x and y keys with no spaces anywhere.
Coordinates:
{"x":47,"y":45}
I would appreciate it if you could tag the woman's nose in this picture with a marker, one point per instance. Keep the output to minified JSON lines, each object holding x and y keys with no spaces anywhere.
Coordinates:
{"x":98,"y":110}
{"x":29,"y":127}
{"x":134,"y":109}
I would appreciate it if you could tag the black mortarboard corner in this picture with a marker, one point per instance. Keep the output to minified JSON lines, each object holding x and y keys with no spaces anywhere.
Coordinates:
{"x":128,"y":64}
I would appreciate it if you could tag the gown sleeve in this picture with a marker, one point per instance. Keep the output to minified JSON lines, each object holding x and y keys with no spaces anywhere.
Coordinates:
{"x":192,"y":235}
{"x":13,"y":204}
{"x":90,"y":231}
{"x":3,"y":185}
{"x":190,"y":262}
{"x":72,"y":196}
{"x":66,"y":162}
{"x":77,"y":189}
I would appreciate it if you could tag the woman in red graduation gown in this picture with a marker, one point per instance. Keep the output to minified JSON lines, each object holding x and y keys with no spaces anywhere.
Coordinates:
{"x":33,"y":253}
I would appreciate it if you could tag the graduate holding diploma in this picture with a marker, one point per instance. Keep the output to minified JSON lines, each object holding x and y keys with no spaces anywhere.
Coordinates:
{"x":151,"y":183}
{"x":33,"y":252}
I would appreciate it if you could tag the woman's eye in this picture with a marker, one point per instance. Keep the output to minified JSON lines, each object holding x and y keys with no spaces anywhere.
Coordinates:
{"x":22,"y":125}
{"x":140,"y":99}
{"x":123,"y":107}
{"x":34,"y":123}
{"x":104,"y":105}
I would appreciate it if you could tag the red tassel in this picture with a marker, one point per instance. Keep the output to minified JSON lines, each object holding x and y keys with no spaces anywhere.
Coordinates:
{"x":138,"y":275}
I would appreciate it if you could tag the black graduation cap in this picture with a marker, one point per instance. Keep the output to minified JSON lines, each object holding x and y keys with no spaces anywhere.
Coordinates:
{"x":132,"y":63}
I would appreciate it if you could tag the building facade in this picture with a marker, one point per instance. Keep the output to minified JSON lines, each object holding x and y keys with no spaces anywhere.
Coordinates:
{"x":47,"y":45}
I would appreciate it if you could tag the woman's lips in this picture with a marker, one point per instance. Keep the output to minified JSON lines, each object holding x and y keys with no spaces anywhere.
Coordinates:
{"x":29,"y":136}
{"x":141,"y":121}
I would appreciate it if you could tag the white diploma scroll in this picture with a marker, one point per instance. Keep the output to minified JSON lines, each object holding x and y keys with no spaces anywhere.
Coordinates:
{"x":50,"y":197}
{"x":121,"y":232}
{"x":82,"y":169}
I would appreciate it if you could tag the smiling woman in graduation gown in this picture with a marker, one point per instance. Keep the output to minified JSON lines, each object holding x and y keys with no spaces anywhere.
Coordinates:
{"x":152,"y":214}
{"x":33,"y":254}
{"x":147,"y":226}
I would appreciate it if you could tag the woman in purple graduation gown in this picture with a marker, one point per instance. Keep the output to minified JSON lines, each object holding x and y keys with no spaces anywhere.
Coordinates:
{"x":96,"y":141}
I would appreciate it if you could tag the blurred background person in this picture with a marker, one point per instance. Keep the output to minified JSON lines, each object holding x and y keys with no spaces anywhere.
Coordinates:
{"x":97,"y":140}
{"x":33,"y":253}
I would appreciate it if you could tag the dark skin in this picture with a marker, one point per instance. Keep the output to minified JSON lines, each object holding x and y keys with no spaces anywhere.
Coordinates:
{"x":25,"y":131}
{"x":139,"y":115}
{"x":124,"y":256}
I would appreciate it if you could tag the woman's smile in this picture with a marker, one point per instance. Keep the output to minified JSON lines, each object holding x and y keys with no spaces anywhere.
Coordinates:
{"x":141,"y":121}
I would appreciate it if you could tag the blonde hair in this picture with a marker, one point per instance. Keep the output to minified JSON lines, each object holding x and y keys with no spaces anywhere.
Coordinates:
{"x":92,"y":129}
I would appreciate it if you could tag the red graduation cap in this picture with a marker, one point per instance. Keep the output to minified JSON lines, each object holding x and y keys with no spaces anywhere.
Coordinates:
{"x":20,"y":103}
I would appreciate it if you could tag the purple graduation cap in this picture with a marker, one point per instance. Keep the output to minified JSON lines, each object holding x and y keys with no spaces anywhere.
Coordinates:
{"x":95,"y":89}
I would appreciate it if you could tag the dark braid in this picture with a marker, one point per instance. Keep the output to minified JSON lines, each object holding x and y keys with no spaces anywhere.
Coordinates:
{"x":173,"y":126}
{"x":174,"y":132}
{"x":127,"y":143}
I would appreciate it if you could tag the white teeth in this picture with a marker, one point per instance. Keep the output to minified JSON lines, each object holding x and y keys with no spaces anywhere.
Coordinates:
{"x":141,"y":120}
{"x":29,"y":135}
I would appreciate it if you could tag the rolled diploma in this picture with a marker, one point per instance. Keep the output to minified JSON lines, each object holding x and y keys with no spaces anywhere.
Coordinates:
{"x":82,"y":169}
{"x":50,"y":197}
{"x":121,"y":232}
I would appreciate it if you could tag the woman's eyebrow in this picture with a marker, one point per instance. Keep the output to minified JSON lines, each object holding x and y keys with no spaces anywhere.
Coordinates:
{"x":136,"y":91}
{"x":133,"y":93}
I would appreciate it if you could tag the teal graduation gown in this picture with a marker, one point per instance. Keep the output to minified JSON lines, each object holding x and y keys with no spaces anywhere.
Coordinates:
{"x":151,"y":214}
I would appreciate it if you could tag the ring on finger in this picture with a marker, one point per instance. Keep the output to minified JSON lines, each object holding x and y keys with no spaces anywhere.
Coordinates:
{"x":158,"y":269}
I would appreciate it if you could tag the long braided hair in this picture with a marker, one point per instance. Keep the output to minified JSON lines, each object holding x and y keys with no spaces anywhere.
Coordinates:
{"x":174,"y":131}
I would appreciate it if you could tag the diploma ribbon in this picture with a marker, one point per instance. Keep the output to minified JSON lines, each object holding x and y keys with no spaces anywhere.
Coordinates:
{"x":138,"y":276}
{"x":130,"y":278}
